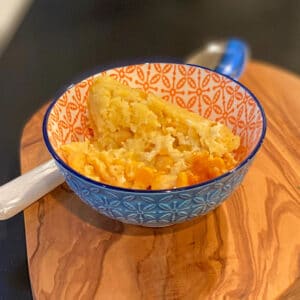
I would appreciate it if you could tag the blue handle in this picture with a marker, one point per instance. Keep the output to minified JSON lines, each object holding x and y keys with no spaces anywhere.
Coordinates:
{"x":234,"y":58}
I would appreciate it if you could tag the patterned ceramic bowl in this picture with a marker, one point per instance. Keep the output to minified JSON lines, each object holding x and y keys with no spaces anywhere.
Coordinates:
{"x":195,"y":88}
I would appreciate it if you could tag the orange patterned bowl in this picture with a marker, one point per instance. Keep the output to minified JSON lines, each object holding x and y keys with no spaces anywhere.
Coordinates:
{"x":195,"y":88}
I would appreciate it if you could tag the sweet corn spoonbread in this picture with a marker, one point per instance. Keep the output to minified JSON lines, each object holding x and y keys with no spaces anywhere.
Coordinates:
{"x":143,"y":142}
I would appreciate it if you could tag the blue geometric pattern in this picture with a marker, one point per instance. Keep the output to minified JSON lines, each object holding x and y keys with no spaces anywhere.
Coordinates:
{"x":155,"y":209}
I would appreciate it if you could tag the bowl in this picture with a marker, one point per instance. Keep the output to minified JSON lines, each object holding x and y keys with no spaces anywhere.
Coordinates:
{"x":195,"y":88}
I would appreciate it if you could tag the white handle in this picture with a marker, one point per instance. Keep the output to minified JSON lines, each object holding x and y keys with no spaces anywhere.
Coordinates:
{"x":19,"y":193}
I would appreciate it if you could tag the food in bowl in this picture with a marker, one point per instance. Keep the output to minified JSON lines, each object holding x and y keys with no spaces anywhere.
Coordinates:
{"x":197,"y":89}
{"x":142,"y":142}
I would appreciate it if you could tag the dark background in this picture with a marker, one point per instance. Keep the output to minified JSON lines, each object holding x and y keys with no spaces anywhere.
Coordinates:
{"x":60,"y":39}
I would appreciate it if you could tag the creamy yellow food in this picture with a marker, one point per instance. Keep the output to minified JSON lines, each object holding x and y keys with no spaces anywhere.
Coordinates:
{"x":143,"y":142}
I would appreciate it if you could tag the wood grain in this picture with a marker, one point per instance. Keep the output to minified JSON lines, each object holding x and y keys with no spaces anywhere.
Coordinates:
{"x":248,"y":248}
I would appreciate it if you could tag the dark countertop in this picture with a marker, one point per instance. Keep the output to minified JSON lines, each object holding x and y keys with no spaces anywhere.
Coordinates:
{"x":59,"y":40}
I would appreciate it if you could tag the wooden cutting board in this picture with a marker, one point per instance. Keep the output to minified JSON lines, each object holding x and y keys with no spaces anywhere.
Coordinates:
{"x":248,"y":248}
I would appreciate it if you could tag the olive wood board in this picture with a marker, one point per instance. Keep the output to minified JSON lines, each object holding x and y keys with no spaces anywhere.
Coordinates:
{"x":248,"y":248}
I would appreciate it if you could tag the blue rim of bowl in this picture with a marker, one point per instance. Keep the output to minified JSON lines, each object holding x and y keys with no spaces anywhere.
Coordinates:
{"x":96,"y":71}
